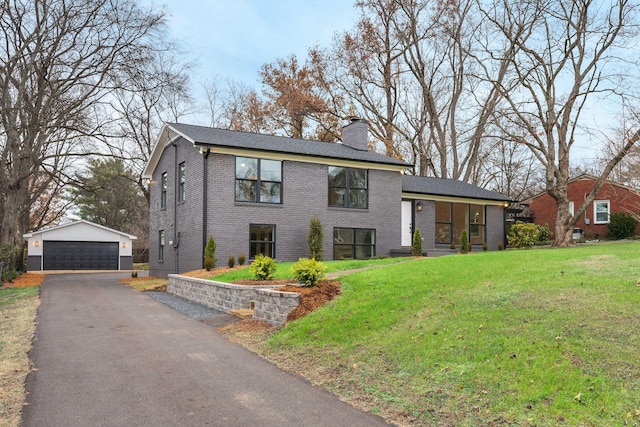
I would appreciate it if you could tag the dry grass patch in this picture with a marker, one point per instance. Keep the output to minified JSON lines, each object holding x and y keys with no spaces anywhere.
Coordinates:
{"x":146,"y":284}
{"x":18,"y":308}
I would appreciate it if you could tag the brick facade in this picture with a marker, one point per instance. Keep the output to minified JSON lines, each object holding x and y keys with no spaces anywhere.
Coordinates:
{"x":621,"y":199}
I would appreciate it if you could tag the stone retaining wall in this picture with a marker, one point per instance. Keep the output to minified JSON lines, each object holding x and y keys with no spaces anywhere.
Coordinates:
{"x":269,"y":304}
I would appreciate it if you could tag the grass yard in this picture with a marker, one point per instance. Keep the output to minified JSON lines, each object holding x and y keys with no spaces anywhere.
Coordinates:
{"x":18,"y":308}
{"x":529,"y":337}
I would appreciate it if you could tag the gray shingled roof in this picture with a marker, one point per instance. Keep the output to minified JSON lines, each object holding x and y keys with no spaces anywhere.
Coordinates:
{"x":448,"y":187}
{"x":202,"y":135}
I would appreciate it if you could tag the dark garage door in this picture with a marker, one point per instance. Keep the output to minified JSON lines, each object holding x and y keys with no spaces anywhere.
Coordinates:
{"x":80,"y":255}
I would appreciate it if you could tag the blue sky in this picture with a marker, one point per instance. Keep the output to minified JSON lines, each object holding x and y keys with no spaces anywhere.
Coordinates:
{"x":234,"y":38}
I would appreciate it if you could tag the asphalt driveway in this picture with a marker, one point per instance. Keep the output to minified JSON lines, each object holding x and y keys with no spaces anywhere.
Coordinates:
{"x":107,"y":355}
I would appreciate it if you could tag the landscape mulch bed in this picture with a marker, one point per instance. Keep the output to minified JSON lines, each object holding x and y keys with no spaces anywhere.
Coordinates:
{"x":25,"y":280}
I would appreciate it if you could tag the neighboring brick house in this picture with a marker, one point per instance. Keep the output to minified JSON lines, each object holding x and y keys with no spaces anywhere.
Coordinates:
{"x":257,"y":194}
{"x":611,"y":198}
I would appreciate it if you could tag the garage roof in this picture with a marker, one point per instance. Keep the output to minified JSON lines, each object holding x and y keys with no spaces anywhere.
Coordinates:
{"x":80,"y":221}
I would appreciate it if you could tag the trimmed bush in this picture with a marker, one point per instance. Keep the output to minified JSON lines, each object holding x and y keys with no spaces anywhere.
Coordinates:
{"x":210,"y":254}
{"x":544,"y":233}
{"x":316,"y":234}
{"x":241,"y":259}
{"x":416,"y":244}
{"x":522,"y":235}
{"x":263,"y":267}
{"x":309,"y":271}
{"x":232,"y":261}
{"x":464,"y":242}
{"x":485,"y":247}
{"x":500,"y":246}
{"x":621,"y":226}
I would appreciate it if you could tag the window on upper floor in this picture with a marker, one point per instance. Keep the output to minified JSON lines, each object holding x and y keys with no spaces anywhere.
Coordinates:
{"x":163,"y":191}
{"x":348,"y":187}
{"x":601,"y":211}
{"x":258,"y":180}
{"x":571,"y":208}
{"x":181,"y":181}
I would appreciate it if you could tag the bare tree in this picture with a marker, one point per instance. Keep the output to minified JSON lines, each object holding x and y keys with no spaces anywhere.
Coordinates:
{"x":155,"y":91}
{"x":58,"y":63}
{"x":568,"y":54}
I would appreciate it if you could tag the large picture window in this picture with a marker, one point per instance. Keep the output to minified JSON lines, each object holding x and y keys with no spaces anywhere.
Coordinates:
{"x":181,"y":181}
{"x":452,"y":218}
{"x":163,"y":191}
{"x":258,"y":180}
{"x":262,"y":240}
{"x":601,"y":211}
{"x":348,"y":187}
{"x":354,"y":243}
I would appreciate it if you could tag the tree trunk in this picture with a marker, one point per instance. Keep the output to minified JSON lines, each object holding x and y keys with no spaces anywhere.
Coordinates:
{"x":564,"y":225}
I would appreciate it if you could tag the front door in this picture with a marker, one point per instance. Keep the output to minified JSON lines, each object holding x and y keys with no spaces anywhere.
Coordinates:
{"x":407,"y":222}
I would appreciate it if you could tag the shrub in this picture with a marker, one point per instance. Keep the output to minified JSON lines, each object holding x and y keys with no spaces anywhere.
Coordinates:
{"x":416,"y":244}
{"x":544,"y":233}
{"x":210,"y":254}
{"x":241,"y":259}
{"x":315,"y":239}
{"x":621,"y":226}
{"x":8,"y":275}
{"x":13,"y":259}
{"x":522,"y":235}
{"x":464,"y":242}
{"x":308,"y":271}
{"x":232,"y":261}
{"x":452,"y":246}
{"x":263,"y":267}
{"x":485,"y":247}
{"x":500,"y":246}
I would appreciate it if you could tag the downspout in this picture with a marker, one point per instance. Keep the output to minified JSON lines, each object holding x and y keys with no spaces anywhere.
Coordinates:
{"x":176,"y":243}
{"x":204,"y":200}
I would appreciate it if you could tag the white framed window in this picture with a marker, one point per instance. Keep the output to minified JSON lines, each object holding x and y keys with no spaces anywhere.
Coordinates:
{"x":571,"y":208}
{"x":601,"y":211}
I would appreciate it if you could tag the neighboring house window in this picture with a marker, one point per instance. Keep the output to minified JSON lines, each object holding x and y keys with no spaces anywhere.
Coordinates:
{"x":601,"y":211}
{"x":161,"y":245}
{"x":348,"y":187}
{"x":163,"y":191}
{"x":262,"y":240}
{"x":258,"y":180}
{"x":354,"y":243}
{"x":571,"y":208}
{"x":181,"y":179}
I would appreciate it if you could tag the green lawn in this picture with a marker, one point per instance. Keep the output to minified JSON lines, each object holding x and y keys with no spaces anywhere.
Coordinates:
{"x":284,"y":268}
{"x":531,"y":337}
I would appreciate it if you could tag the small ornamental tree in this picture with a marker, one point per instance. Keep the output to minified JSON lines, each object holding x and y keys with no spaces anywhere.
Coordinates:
{"x":464,"y":242}
{"x":210,"y":254}
{"x":315,"y":239}
{"x":621,"y":226}
{"x":263,"y":267}
{"x":416,"y":244}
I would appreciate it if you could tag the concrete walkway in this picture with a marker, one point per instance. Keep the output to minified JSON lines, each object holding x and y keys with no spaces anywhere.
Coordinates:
{"x":107,"y":355}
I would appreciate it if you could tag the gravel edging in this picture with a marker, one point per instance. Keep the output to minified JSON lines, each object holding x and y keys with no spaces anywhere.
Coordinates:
{"x":186,"y":307}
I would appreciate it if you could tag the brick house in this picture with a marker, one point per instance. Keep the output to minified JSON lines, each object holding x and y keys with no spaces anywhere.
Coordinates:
{"x":612,"y":197}
{"x":257,"y":194}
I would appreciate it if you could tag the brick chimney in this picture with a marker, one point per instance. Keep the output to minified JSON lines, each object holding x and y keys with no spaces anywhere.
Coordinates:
{"x":356,"y":133}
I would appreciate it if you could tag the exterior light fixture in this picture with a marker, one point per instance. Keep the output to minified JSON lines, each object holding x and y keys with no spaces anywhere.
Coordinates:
{"x":36,"y":243}
{"x":419,"y":206}
{"x":124,"y":245}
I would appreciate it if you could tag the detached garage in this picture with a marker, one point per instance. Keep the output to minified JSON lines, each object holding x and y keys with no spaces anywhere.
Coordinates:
{"x":80,"y":245}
